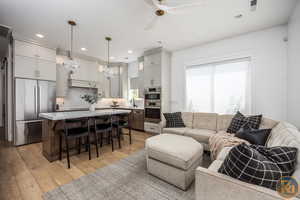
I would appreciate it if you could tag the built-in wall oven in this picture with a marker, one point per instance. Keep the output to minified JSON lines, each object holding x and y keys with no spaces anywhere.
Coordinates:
{"x":153,"y":104}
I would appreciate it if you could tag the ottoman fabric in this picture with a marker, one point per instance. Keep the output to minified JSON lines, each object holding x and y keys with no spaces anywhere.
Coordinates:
{"x":178,"y":151}
{"x":173,"y":158}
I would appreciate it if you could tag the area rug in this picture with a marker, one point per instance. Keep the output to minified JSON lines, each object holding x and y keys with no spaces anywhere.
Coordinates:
{"x":126,"y":179}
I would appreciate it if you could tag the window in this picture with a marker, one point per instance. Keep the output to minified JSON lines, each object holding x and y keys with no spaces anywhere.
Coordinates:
{"x":133,"y":94}
{"x":222,"y":87}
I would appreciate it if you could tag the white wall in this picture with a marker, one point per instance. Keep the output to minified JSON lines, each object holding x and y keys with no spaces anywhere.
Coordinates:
{"x":294,"y":68}
{"x":268,"y":52}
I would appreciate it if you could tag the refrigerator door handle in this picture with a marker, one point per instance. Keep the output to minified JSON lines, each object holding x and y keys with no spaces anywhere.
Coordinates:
{"x":35,"y":100}
{"x":39,"y":100}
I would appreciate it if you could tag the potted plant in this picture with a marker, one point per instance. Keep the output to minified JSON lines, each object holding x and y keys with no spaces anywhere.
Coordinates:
{"x":91,"y":99}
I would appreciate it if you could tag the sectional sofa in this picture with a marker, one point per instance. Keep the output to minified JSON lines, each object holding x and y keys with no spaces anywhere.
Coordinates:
{"x":211,"y":185}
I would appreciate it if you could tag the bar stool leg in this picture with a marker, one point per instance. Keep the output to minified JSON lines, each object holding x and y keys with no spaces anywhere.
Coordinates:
{"x":60,"y":147}
{"x":130,"y":141}
{"x":89,"y":146}
{"x":67,"y":147}
{"x":96,"y":139}
{"x":79,"y":145}
{"x":101,"y":138}
{"x":111,"y":140}
{"x":119,"y":137}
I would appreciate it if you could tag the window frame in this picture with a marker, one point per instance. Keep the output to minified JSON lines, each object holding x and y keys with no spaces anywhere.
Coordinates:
{"x":215,"y":62}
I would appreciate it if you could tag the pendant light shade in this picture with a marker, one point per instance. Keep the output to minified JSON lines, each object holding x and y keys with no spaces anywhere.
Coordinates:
{"x":107,"y":71}
{"x":71,"y":64}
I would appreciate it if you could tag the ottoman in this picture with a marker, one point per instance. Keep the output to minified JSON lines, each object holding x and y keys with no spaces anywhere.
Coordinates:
{"x":173,"y":158}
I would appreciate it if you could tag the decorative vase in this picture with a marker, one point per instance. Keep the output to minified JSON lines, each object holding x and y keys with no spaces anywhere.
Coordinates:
{"x":92,"y":107}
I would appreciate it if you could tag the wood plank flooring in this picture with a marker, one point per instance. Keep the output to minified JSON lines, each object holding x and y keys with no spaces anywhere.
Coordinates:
{"x":25,"y":174}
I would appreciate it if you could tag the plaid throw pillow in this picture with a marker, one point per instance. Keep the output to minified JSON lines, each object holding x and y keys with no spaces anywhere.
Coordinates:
{"x":259,"y":165}
{"x":239,"y":120}
{"x":173,"y":120}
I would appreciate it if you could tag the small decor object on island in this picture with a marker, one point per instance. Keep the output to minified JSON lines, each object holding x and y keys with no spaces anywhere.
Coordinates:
{"x":91,"y":99}
{"x":115,"y":104}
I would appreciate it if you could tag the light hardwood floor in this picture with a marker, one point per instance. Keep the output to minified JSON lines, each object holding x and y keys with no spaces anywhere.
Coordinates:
{"x":25,"y":174}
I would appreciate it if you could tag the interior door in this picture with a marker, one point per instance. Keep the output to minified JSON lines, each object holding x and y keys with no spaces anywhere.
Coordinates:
{"x":46,"y":96}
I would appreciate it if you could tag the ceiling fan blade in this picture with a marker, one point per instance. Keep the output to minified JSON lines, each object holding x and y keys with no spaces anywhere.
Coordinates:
{"x":159,"y":5}
{"x":152,"y":23}
{"x":173,"y":10}
{"x":150,"y":3}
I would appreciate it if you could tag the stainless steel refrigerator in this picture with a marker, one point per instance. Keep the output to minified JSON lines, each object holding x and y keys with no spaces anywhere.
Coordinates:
{"x":32,"y":97}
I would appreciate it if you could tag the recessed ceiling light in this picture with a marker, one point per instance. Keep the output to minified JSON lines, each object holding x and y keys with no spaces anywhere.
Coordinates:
{"x":238,"y":16}
{"x":112,"y":57}
{"x":39,"y":35}
{"x":83,"y":49}
{"x":130,"y":51}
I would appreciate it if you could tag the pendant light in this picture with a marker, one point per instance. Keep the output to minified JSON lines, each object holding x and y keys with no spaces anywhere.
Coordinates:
{"x":107,"y":71}
{"x":71,"y":64}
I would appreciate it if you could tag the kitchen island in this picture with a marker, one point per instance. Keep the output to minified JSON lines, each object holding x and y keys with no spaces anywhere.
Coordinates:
{"x":52,"y":123}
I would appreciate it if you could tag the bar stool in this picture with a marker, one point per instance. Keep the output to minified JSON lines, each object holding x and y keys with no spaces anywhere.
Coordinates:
{"x":123,"y":121}
{"x":104,"y":127}
{"x":70,"y":133}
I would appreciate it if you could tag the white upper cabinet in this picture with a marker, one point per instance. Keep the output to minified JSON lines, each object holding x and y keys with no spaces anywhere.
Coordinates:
{"x":87,"y":71}
{"x":34,"y":62}
{"x":47,"y":70}
{"x":25,"y":67}
{"x":46,"y":54}
{"x":152,"y":70}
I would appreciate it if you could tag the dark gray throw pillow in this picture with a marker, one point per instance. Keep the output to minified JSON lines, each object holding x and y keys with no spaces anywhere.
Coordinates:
{"x":259,"y":165}
{"x":254,"y":136}
{"x":174,"y":120}
{"x":239,"y":120}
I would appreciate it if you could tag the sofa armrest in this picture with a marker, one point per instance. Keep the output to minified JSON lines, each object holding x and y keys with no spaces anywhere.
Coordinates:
{"x":212,"y":185}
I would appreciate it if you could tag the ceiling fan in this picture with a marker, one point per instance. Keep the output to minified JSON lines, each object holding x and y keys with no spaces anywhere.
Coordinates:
{"x":163,"y":7}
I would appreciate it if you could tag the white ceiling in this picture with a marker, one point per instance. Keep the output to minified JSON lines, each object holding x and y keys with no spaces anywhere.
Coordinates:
{"x":125,"y":20}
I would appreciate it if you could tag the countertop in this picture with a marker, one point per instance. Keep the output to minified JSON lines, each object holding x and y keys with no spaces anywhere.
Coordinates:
{"x":54,"y":116}
{"x":101,"y":108}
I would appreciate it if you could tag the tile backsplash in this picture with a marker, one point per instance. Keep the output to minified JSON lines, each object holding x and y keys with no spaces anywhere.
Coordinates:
{"x":73,"y":100}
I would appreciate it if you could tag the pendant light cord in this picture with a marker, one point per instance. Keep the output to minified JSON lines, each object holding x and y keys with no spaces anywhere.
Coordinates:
{"x":71,"y":53}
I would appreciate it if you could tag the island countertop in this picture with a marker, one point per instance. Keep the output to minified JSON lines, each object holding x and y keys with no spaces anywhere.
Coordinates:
{"x":55,"y":116}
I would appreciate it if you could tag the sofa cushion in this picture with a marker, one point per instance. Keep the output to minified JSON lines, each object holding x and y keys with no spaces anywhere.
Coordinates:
{"x":248,"y":165}
{"x":175,"y":150}
{"x":187,"y":118}
{"x":223,"y":122}
{"x":173,"y":120}
{"x":205,"y":121}
{"x":215,"y":166}
{"x":267,"y":123}
{"x":201,"y":135}
{"x":177,"y":131}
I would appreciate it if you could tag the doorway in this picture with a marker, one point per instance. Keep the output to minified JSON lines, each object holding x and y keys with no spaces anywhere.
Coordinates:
{"x":3,"y":67}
